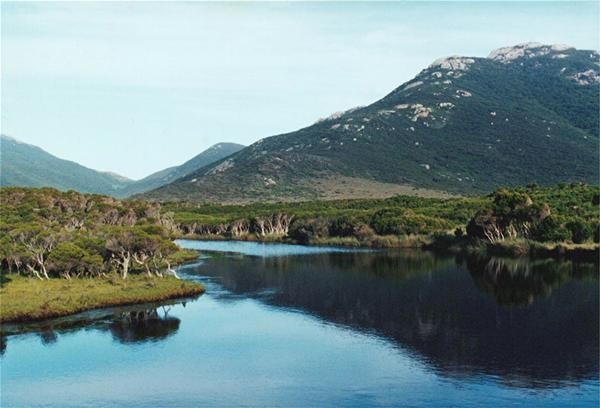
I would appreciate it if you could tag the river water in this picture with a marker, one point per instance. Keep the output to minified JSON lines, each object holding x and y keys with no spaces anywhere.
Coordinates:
{"x":295,"y":326}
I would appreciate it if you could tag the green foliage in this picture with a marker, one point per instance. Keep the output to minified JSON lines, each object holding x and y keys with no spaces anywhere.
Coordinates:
{"x":551,"y":230}
{"x":516,"y":210}
{"x":49,"y":233}
{"x":406,"y":222}
{"x":307,"y":231}
{"x":544,"y":214}
{"x":580,"y":230}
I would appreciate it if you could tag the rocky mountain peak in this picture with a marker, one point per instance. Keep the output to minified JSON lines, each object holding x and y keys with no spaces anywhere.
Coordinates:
{"x":530,"y":50}
{"x":454,"y":62}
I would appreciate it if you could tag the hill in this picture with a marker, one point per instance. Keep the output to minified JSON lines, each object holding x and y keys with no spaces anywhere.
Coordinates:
{"x":26,"y":165}
{"x":168,"y":175}
{"x":22,"y":164}
{"x":466,"y":125}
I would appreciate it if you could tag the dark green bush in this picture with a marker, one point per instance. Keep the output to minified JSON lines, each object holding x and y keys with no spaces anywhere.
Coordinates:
{"x":550,"y":230}
{"x":581,"y":231}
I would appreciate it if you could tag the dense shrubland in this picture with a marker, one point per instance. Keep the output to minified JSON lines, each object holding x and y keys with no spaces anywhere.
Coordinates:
{"x":561,"y":214}
{"x":46,"y":233}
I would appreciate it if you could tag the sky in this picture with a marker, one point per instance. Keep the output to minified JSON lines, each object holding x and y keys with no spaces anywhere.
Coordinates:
{"x":134,"y":87}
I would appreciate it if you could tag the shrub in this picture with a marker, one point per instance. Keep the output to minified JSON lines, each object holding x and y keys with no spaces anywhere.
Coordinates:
{"x":406,"y":222}
{"x":550,"y":230}
{"x":341,"y":227}
{"x":305,"y":231}
{"x":581,"y":231}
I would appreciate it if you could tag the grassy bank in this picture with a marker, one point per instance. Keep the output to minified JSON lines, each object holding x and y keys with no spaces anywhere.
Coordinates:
{"x":588,"y":252}
{"x":27,"y":299}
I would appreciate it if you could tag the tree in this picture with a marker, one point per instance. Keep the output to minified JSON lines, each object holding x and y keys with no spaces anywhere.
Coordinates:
{"x":144,"y":249}
{"x":160,"y":258}
{"x":37,"y":242}
{"x":67,"y":258}
{"x":121,"y":245}
{"x":11,"y":254}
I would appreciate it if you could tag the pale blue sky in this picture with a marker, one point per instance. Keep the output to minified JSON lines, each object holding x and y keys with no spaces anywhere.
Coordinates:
{"x":135,"y":87}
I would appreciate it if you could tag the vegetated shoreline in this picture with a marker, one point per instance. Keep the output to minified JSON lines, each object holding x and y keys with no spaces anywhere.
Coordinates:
{"x":26,"y":299}
{"x":441,"y":243}
{"x":65,"y":252}
{"x":555,"y":221}
{"x":87,"y":239}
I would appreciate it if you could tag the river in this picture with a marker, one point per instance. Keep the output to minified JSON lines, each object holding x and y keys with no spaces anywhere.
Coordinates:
{"x":296,"y":326}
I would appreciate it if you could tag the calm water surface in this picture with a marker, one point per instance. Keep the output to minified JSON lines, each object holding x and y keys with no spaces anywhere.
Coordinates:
{"x":301,"y":326}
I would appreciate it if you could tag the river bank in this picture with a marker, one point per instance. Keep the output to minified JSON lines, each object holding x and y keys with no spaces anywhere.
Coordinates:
{"x":29,"y":299}
{"x":588,"y":252}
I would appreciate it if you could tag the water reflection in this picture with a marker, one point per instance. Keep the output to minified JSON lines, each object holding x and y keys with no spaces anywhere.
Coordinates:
{"x":519,"y":282}
{"x":143,"y":325}
{"x":531,"y":324}
{"x":127,"y":325}
{"x":539,"y":327}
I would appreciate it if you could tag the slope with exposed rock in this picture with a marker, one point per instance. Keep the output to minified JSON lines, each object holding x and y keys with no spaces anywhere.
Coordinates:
{"x":525,"y":114}
{"x":168,"y":175}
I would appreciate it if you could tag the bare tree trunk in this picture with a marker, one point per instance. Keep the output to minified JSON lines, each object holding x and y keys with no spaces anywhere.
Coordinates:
{"x":44,"y":271}
{"x":36,"y":273}
{"x":143,"y":260}
{"x":171,"y":271}
{"x":126,"y":260}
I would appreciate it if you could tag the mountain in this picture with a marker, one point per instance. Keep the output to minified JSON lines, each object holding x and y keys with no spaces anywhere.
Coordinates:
{"x":22,"y":164}
{"x":525,"y":114}
{"x":168,"y":175}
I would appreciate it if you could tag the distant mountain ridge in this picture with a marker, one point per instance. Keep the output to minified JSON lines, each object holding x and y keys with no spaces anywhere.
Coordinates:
{"x":170,"y":174}
{"x":26,"y":165}
{"x":525,"y":114}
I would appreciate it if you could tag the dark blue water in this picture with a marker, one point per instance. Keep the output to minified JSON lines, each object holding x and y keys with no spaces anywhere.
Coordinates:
{"x":301,"y":327}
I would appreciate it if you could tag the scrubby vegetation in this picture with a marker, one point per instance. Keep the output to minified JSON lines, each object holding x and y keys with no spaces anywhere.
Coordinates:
{"x":52,"y":243}
{"x":47,"y":233}
{"x":49,"y":237}
{"x":566,"y":214}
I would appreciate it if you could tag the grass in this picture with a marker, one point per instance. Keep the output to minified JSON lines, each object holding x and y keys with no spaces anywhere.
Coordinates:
{"x":183,"y":256}
{"x":587,"y":252}
{"x":27,"y":299}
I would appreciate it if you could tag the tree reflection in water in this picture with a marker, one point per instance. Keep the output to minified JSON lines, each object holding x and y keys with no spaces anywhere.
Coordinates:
{"x":440,"y":308}
{"x":519,"y":282}
{"x":531,"y":323}
{"x":143,"y":325}
{"x":127,"y":325}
